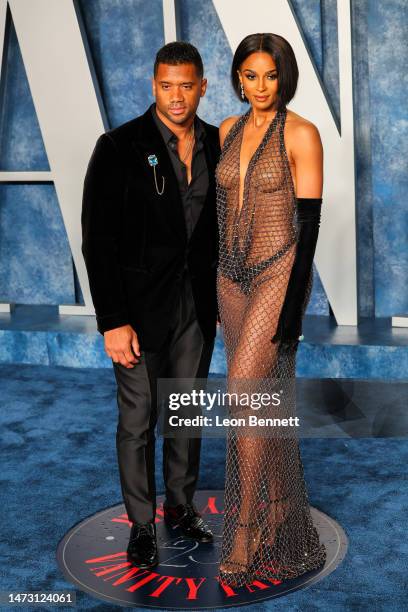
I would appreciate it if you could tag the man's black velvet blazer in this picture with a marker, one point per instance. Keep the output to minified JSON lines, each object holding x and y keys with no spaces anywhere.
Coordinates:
{"x":134,"y":240}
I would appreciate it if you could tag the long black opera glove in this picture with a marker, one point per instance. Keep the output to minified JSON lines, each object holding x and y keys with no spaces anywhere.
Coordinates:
{"x":289,"y":329}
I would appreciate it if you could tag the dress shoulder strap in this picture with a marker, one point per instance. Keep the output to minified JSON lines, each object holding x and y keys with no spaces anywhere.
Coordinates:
{"x":281,"y":127}
{"x":235,"y":129}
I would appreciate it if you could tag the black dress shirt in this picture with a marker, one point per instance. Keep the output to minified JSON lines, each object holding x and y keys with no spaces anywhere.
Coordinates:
{"x":192,"y":194}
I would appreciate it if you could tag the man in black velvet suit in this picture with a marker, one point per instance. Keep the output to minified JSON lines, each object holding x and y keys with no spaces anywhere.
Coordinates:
{"x":150,"y":247}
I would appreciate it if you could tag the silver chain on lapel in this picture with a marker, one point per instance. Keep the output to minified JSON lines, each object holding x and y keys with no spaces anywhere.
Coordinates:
{"x":153,"y":162}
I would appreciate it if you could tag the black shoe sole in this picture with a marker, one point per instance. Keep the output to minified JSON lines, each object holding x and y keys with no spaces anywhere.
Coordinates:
{"x":142,"y":565}
{"x":203,"y":540}
{"x":172,"y":523}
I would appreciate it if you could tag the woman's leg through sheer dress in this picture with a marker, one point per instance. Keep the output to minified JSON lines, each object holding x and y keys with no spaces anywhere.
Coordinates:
{"x":268,"y":531}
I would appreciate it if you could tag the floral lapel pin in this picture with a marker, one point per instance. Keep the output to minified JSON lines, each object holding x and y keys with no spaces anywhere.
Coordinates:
{"x":153,"y":162}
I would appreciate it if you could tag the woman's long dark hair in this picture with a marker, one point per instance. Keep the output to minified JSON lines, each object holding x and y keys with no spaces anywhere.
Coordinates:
{"x":282,"y":53}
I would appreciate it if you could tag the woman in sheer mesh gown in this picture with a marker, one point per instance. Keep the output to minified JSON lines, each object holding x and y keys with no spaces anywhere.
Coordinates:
{"x":267,"y":240}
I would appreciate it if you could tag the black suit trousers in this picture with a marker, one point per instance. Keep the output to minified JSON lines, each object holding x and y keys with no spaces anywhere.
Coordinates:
{"x":184,"y":355}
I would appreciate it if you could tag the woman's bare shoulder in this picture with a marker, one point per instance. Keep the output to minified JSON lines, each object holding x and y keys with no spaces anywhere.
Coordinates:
{"x":226,"y":125}
{"x":300,"y":132}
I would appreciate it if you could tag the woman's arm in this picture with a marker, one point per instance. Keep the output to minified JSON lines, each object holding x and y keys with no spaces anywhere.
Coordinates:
{"x":307,"y":154}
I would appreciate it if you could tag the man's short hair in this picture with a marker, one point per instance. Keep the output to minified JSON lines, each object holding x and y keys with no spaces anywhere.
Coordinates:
{"x":179,"y":52}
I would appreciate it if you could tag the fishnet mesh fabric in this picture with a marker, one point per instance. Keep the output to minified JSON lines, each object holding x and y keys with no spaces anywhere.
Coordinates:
{"x":268,"y":530}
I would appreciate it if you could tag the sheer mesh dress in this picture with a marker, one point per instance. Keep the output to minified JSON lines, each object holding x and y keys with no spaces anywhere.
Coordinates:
{"x":268,"y":529}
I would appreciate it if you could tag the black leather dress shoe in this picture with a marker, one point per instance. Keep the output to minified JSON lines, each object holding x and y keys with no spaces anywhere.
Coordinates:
{"x":189,"y":520}
{"x":142,"y":547}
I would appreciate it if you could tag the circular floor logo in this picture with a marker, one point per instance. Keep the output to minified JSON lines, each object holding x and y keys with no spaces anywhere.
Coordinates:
{"x":93,"y":557}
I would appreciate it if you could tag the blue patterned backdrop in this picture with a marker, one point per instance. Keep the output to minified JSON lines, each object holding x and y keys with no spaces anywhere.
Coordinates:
{"x":36,"y":263}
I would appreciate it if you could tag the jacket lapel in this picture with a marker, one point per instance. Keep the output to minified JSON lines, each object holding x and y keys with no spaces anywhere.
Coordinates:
{"x":150,"y":142}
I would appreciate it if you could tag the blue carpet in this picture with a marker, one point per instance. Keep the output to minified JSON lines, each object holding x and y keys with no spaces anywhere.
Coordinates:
{"x":59,"y":466}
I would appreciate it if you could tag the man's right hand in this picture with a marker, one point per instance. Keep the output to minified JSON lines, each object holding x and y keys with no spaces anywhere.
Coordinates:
{"x":122,"y":345}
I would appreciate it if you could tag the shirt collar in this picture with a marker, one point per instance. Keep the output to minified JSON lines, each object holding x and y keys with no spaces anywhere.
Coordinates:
{"x":170,"y":136}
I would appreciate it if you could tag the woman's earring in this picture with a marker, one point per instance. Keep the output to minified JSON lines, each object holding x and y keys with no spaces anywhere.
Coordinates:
{"x":242,"y":92}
